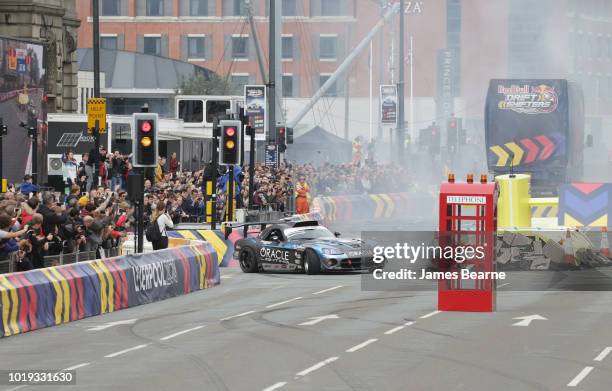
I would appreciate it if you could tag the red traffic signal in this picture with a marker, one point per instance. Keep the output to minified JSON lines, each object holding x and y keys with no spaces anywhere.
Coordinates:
{"x":145,"y":141}
{"x":231,"y":139}
{"x":145,"y":126}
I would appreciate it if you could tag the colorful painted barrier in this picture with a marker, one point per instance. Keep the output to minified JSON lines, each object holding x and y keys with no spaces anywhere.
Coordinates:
{"x":371,"y":206}
{"x":46,"y":297}
{"x":584,"y":204}
{"x":216,"y":238}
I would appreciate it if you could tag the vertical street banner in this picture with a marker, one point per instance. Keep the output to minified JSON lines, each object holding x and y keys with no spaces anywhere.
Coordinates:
{"x":255,"y":108}
{"x":445,"y":89}
{"x":271,"y":155}
{"x":388,"y":104}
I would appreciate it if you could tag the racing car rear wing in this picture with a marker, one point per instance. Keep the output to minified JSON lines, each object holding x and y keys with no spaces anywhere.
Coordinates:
{"x":229,"y":226}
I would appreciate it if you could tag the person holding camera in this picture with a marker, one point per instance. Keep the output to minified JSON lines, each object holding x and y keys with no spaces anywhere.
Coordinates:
{"x":160,"y":222}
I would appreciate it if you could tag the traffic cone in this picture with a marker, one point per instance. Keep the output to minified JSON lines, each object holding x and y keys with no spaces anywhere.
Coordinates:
{"x":568,"y":250}
{"x":604,"y":248}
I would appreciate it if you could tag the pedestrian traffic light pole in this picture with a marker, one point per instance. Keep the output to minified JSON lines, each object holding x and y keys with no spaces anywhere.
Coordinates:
{"x":272,"y":77}
{"x":97,"y":159}
{"x":215,"y":164}
{"x":2,"y":134}
{"x":230,"y":195}
{"x":400,"y":86}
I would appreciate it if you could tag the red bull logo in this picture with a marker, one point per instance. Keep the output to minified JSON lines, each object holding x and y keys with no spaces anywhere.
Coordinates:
{"x":526,"y":99}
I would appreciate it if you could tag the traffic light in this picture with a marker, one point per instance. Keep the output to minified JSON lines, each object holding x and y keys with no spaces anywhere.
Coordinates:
{"x":452,"y":132}
{"x":281,"y":132}
{"x":434,"y":146}
{"x":144,"y":141}
{"x":289,"y":136}
{"x":231,"y":142}
{"x":3,"y":128}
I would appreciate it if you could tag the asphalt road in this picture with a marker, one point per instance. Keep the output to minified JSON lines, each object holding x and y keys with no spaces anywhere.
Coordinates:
{"x":262,"y":332}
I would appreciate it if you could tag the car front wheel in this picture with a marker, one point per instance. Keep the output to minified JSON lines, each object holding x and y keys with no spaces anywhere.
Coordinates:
{"x":312,"y":262}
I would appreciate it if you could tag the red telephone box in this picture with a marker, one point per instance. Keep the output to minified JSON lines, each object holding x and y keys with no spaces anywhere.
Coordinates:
{"x":468,"y":219}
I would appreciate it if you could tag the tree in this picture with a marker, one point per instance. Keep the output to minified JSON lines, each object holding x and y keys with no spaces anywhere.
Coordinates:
{"x":200,"y":84}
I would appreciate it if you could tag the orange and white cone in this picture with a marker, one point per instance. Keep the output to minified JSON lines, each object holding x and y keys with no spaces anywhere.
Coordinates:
{"x":604,"y":248}
{"x":568,"y":250}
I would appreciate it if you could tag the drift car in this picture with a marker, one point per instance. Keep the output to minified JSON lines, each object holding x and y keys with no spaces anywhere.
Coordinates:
{"x":301,"y":246}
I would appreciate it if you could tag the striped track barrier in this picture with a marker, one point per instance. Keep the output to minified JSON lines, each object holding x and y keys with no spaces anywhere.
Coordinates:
{"x":223,"y":247}
{"x":371,"y":207}
{"x":584,"y":204}
{"x":47,"y":297}
{"x":216,"y":238}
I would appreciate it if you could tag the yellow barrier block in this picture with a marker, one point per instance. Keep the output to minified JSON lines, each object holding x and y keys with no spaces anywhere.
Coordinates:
{"x":4,"y":185}
{"x":513,"y":209}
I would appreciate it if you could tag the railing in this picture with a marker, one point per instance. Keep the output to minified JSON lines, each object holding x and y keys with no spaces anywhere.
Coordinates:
{"x":10,"y":265}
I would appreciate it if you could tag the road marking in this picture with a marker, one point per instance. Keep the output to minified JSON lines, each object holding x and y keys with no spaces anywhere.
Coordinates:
{"x":317,"y":366}
{"x":111,"y":324}
{"x":328,"y":289}
{"x":283,"y":302}
{"x":119,"y":353}
{"x":429,"y":315}
{"x":318,"y":319}
{"x":398,"y":328}
{"x":361,"y":345}
{"x":499,"y":286}
{"x":275,"y":386}
{"x":72,"y":368}
{"x":180,"y":333}
{"x":237,"y":316}
{"x":580,"y":376}
{"x":603,"y":354}
{"x":226,"y":277}
{"x":526,"y":320}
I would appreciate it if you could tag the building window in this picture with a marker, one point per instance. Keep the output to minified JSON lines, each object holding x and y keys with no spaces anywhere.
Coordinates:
{"x":152,"y":45}
{"x":289,"y":7}
{"x":108,"y":42}
{"x":330,"y":8}
{"x":238,"y":8}
{"x":155,"y":7}
{"x":328,"y":46}
{"x":197,"y":47}
{"x":198,"y":7}
{"x":240,"y":47}
{"x":332,"y":91}
{"x":288,"y":86}
{"x":239,"y":81}
{"x":287,"y":50}
{"x":111,"y":8}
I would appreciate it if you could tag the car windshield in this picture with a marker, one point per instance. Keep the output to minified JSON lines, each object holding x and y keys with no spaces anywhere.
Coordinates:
{"x":308,"y":233}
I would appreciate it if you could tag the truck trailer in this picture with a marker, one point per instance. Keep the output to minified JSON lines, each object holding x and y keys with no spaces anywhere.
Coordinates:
{"x":535,"y":126}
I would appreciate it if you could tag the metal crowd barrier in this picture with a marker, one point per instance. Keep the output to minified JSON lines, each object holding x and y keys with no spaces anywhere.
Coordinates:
{"x":65,"y":259}
{"x":10,"y":265}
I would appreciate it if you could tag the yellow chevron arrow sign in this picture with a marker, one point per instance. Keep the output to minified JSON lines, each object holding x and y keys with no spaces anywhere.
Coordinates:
{"x":518,"y":153}
{"x":501,"y":154}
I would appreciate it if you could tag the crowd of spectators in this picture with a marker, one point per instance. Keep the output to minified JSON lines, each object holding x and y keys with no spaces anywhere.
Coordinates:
{"x":35,"y":224}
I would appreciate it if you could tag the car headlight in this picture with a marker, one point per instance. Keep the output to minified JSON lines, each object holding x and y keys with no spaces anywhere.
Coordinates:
{"x":331,"y":251}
